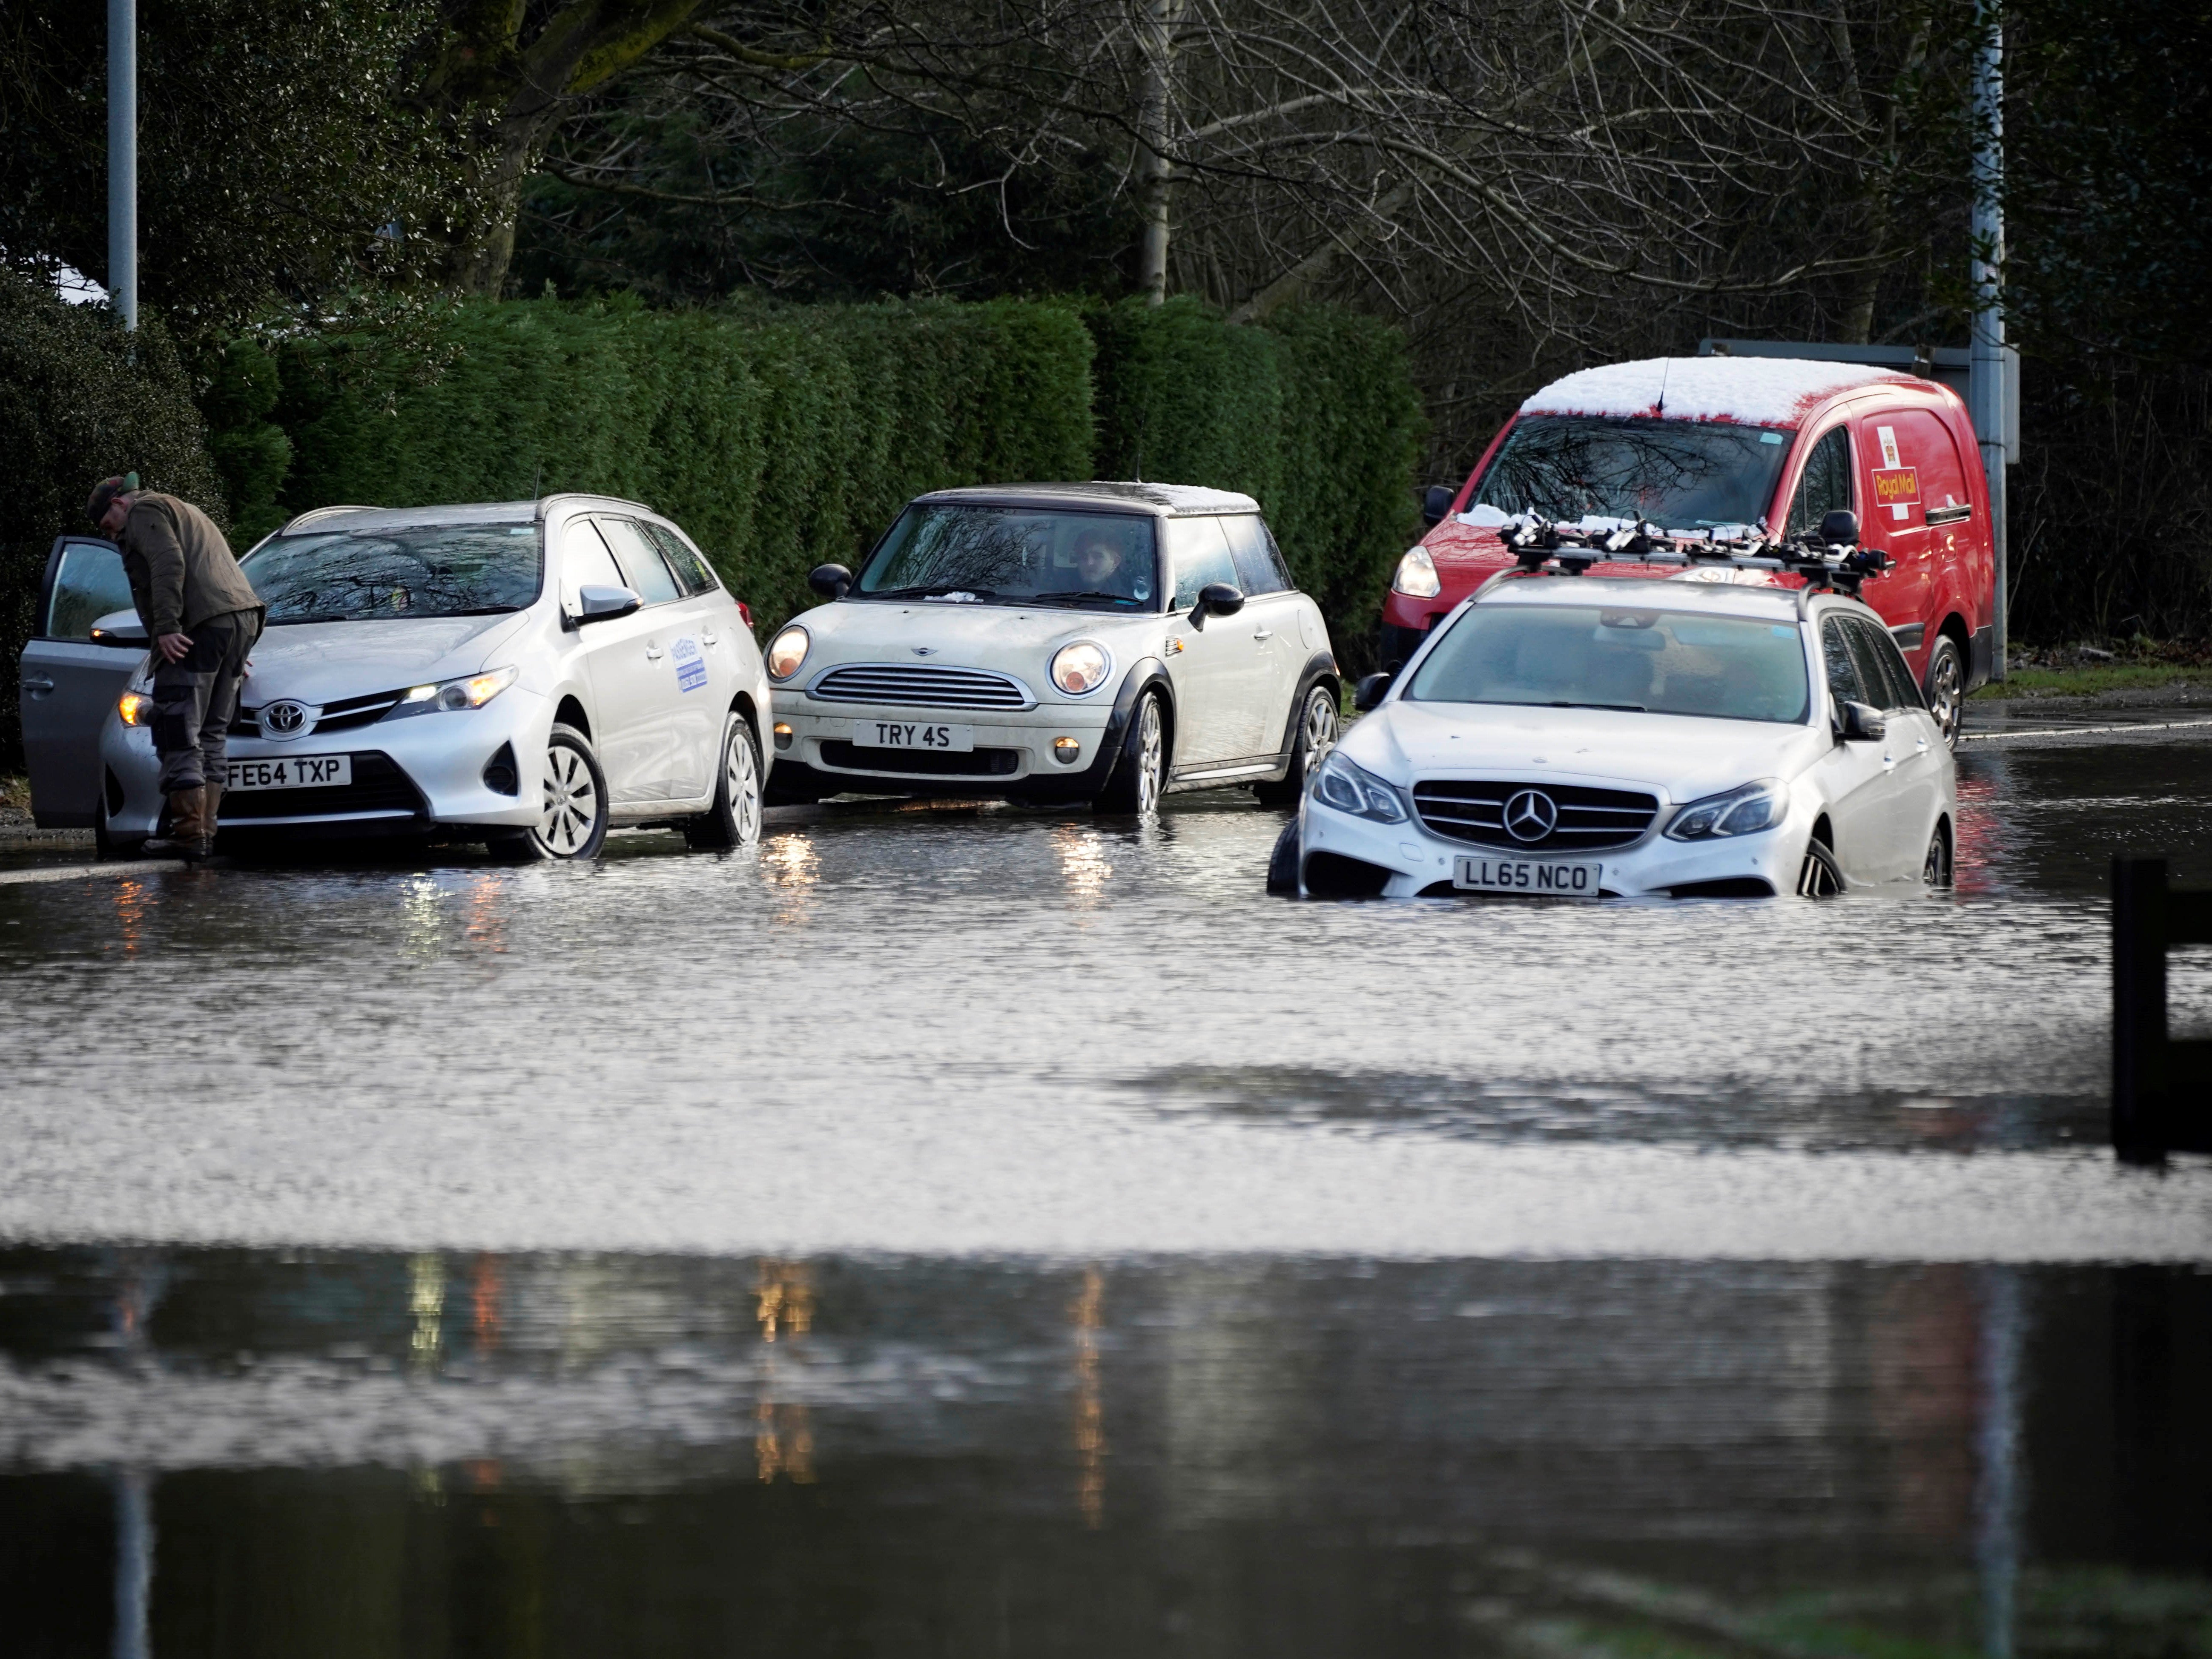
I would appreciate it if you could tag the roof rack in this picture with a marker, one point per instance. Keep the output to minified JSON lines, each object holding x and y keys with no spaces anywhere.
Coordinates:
{"x":1832,"y":561}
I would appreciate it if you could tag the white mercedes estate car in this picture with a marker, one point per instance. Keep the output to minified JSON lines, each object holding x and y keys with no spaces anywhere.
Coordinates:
{"x":1586,"y":737}
{"x":523,"y":673}
{"x":1099,"y":643}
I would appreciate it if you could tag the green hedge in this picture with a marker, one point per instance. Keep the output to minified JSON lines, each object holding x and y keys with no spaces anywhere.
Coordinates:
{"x":779,"y":438}
{"x":79,"y":399}
{"x":1313,"y":415}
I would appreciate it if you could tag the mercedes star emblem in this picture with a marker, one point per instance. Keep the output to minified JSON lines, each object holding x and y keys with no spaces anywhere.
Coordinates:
{"x":284,"y":719}
{"x":1530,"y":816}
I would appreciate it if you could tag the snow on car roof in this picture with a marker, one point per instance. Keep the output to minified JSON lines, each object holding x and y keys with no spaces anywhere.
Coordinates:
{"x":1754,"y":390}
{"x":1728,"y":598}
{"x":1172,"y":500}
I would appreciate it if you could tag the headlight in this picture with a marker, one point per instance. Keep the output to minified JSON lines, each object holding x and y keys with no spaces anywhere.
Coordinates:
{"x":472,"y":692}
{"x":1417,"y":576}
{"x":1079,"y":667}
{"x":1742,"y":812}
{"x":1350,"y":789}
{"x":787,"y":651}
{"x":136,"y":708}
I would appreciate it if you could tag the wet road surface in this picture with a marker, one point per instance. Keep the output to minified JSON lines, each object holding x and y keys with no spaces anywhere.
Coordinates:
{"x":979,"y":1231}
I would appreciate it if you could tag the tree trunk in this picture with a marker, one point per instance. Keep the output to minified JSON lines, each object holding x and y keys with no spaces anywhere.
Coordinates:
{"x":1155,"y":123}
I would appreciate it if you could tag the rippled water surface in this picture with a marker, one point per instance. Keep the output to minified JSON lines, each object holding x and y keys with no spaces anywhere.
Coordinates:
{"x":976,"y":1231}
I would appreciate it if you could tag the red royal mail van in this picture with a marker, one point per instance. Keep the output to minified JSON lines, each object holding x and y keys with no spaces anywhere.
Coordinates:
{"x":1759,"y":443}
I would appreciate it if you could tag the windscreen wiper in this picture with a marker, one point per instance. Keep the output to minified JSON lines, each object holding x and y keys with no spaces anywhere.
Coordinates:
{"x":934,"y":592}
{"x":1625,"y":707}
{"x":1118,"y":598}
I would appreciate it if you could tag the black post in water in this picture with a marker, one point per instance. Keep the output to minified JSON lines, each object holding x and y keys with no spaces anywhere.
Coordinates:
{"x":2161,"y":1087}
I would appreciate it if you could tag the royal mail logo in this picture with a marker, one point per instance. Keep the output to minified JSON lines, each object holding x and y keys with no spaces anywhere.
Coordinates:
{"x":1897,"y":486}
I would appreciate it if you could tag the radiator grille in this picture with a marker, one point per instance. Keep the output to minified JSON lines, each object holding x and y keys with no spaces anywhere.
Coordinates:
{"x":921,"y":688}
{"x":921,"y":762}
{"x":1589,"y":819}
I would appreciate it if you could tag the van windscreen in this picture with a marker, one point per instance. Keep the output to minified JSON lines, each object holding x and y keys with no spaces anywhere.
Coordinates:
{"x":1679,"y":475}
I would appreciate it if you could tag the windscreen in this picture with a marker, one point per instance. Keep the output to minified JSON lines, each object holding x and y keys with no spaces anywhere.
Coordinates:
{"x":428,"y":570}
{"x":1679,"y":475}
{"x":1660,"y":662}
{"x":1015,"y":556}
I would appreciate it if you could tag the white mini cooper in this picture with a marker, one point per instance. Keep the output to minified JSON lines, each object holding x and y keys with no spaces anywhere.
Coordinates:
{"x":1589,"y":736}
{"x":1100,"y":643}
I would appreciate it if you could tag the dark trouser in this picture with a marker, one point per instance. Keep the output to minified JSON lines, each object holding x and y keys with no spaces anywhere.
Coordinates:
{"x":196,"y":700}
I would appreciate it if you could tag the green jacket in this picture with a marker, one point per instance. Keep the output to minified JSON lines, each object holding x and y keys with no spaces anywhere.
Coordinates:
{"x":181,"y":570}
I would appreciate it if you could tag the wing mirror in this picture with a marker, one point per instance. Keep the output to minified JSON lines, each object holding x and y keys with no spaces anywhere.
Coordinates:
{"x":121,"y":628}
{"x":1215,"y":598}
{"x":604,"y":604}
{"x":830,"y":581}
{"x":1861,"y":724}
{"x":1435,"y":504}
{"x":1368,"y":695}
{"x":1840,"y":528}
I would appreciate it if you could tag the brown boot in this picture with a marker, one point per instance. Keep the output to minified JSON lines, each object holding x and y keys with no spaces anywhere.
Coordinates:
{"x":213,"y":793}
{"x":187,"y":837}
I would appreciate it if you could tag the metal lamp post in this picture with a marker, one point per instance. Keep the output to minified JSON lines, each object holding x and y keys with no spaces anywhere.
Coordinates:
{"x":122,"y":159}
{"x":1992,"y":366}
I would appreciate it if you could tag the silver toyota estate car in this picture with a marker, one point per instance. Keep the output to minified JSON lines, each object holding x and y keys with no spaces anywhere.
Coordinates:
{"x":526,"y":673}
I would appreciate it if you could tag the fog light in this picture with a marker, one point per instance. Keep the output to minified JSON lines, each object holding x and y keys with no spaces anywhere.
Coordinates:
{"x":1065,"y":750}
{"x":783,"y":735}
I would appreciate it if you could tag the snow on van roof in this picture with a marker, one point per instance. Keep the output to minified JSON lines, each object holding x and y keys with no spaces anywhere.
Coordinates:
{"x":1755,"y":390}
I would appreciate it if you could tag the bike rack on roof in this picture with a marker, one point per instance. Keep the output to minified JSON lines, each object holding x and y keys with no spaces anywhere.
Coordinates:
{"x":1832,"y":561}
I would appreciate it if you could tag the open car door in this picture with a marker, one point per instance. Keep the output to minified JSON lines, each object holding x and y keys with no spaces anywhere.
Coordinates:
{"x":68,"y":684}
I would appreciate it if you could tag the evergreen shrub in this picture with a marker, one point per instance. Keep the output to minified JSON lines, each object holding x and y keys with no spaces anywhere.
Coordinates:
{"x":79,"y":399}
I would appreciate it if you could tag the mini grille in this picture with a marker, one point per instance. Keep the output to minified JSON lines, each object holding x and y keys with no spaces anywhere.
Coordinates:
{"x":922,"y":688}
{"x":1590,"y":819}
{"x":377,"y":786}
{"x":920,"y":762}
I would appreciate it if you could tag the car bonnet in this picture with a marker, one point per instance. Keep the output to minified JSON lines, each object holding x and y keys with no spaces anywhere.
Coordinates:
{"x":318,"y":662}
{"x":1010,"y":638}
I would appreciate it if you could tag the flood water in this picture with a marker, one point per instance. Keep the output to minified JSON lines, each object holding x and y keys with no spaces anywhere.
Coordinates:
{"x":980,"y":1232}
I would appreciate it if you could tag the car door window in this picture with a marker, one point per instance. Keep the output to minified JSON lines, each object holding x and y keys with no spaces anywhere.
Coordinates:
{"x":691,"y":569}
{"x":1824,"y":486}
{"x":1880,"y":664}
{"x":89,"y":584}
{"x":648,"y":573}
{"x":585,"y":562}
{"x":1202,"y":557}
{"x":1259,"y":567}
{"x":1845,"y":682}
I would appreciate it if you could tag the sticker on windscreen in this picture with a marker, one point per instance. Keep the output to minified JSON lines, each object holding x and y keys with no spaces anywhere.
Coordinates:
{"x":691,"y":666}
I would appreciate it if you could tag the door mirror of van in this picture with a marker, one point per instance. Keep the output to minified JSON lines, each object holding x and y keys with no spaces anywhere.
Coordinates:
{"x":830,"y":581}
{"x":1215,"y":599}
{"x":1840,"y":528}
{"x":1435,"y":503}
{"x":605,"y":604}
{"x":1368,"y":695}
{"x":121,"y":628}
{"x":1861,"y":724}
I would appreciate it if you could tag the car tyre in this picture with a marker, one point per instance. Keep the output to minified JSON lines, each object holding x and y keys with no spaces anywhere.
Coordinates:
{"x":1317,"y":736}
{"x":1946,"y":687}
{"x":1283,"y":863}
{"x":1140,"y":770}
{"x":734,"y":819}
{"x":1935,"y":868}
{"x":1820,"y":876}
{"x":574,"y":821}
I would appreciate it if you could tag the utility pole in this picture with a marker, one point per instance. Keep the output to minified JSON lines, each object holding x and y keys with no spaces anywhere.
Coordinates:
{"x":122,"y":159}
{"x":1986,"y":391}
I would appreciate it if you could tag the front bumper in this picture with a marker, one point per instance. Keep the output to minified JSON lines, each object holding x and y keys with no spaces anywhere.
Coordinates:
{"x":410,"y":774}
{"x":1012,"y":758}
{"x":1408,"y":860}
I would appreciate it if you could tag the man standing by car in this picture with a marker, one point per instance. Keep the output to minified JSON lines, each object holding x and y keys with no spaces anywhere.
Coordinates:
{"x":201,"y":616}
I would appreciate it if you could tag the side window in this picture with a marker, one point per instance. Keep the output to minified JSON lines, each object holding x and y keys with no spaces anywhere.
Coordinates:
{"x":690,"y":567}
{"x":1882,"y":663}
{"x":1845,"y":683}
{"x":1258,"y":567}
{"x":89,"y":584}
{"x":585,"y":562}
{"x":646,"y":571}
{"x":1200,"y":553}
{"x":1824,"y":485}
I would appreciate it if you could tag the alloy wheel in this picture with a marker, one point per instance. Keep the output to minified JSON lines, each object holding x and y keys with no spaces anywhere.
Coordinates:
{"x":572,"y":803}
{"x":1150,"y":755}
{"x":1947,"y":683}
{"x":741,"y":783}
{"x":1321,"y":727}
{"x":1820,"y":876}
{"x":1935,"y":869}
